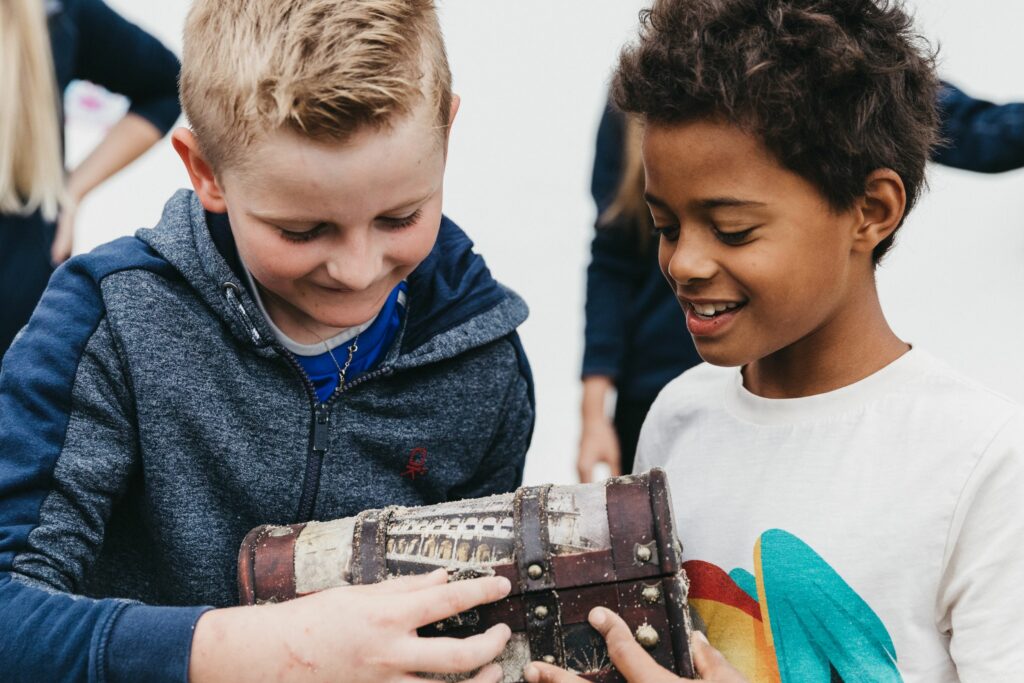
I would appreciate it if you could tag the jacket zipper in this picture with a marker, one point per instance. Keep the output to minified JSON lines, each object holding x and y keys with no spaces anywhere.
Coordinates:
{"x":321,"y":438}
{"x":314,"y":462}
{"x":321,"y":410}
{"x":231,"y":291}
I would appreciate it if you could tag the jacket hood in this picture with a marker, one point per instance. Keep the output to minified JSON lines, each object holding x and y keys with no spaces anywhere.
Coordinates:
{"x":454,"y":304}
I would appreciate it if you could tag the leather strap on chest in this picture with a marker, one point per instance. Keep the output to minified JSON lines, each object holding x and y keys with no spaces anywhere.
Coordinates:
{"x":369,"y":546}
{"x":542,"y":616}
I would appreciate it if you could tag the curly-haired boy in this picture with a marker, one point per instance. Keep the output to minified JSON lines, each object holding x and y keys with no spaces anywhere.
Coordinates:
{"x":850,"y":507}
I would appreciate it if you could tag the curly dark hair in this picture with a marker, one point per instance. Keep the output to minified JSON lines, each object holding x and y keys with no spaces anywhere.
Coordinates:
{"x":833,"y":88}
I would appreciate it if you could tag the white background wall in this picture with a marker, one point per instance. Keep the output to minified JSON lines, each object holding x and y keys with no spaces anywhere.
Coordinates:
{"x":532,"y":75}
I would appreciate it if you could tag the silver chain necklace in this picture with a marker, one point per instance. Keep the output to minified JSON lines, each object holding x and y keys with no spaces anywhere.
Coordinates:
{"x":342,"y":369}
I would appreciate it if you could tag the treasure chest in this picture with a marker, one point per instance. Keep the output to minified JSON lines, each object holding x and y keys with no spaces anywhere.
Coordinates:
{"x":566,"y":549}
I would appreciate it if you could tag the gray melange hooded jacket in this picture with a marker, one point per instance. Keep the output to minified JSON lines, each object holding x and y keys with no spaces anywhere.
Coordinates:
{"x":148,"y":420}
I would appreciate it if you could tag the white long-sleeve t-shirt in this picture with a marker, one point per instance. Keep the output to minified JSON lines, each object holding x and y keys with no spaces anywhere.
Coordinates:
{"x":872,"y":533}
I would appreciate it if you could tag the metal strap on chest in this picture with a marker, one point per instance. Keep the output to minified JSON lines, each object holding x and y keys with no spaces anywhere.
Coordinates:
{"x":369,"y":546}
{"x":644,"y":553}
{"x":635,"y":552}
{"x":266,"y":564}
{"x":536,"y":574}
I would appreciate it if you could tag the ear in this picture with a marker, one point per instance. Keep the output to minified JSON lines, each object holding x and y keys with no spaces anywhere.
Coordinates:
{"x":199,"y":171}
{"x":456,"y":101}
{"x":881,"y":209}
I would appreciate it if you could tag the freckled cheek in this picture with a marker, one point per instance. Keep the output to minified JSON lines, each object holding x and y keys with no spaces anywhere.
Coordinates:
{"x":272,"y":261}
{"x":408,"y":250}
{"x":791,"y":295}
{"x":770,"y":285}
{"x":282,"y":266}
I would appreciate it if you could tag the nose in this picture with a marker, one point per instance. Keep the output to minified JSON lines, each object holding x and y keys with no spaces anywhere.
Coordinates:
{"x":687,"y":260}
{"x":353,"y":264}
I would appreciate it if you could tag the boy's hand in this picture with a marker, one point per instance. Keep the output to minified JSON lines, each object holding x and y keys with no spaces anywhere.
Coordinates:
{"x":634,"y":663}
{"x":351,"y":634}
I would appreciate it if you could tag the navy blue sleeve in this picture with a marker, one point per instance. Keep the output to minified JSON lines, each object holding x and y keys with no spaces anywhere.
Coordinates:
{"x":123,"y":58}
{"x":607,"y":158}
{"x":67,"y":452}
{"x":979,"y":135}
{"x":615,"y":272}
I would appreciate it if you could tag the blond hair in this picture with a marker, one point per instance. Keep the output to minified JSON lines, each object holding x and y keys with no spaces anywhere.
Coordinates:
{"x":31,"y":164}
{"x":629,"y":209}
{"x":322,"y":68}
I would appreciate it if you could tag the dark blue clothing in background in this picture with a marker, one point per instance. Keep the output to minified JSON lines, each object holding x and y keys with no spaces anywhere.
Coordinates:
{"x":90,"y":42}
{"x":979,"y":135}
{"x":635,"y":329}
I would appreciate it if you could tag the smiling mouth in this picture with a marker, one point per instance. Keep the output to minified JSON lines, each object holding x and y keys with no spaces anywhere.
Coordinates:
{"x":710,"y":311}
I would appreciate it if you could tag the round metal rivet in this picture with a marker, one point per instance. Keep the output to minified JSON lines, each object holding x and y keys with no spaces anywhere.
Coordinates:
{"x":540,"y":611}
{"x":647,"y":636}
{"x":643,"y":553}
{"x":550,"y":659}
{"x":535,"y":571}
{"x":651,"y":594}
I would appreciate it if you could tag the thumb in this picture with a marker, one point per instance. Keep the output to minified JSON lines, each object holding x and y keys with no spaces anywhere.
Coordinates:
{"x":628,"y":656}
{"x":538,"y":672}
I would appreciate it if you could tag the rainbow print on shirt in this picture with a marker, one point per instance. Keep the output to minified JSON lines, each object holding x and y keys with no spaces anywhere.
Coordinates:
{"x":794,"y":620}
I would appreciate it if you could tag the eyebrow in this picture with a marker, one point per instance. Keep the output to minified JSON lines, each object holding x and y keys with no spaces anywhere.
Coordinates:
{"x":709,"y":203}
{"x":271,"y":218}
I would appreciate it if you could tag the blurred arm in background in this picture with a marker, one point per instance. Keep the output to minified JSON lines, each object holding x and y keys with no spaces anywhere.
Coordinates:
{"x":608,"y":292}
{"x":121,"y":57}
{"x":979,"y":136}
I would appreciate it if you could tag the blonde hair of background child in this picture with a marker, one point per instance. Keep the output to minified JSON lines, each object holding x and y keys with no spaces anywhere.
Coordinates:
{"x":321,"y":68}
{"x":31,"y":162}
{"x":628,"y":209}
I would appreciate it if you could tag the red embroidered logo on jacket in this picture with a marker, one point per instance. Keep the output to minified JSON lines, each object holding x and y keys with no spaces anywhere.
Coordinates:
{"x":417,"y":465}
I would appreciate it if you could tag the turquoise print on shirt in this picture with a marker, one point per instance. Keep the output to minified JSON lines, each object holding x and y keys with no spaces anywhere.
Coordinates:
{"x":794,"y":620}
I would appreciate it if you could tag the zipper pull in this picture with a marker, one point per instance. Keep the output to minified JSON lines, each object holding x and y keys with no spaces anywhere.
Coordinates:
{"x":320,"y":437}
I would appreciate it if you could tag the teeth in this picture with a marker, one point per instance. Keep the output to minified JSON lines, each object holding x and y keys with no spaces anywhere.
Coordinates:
{"x":708,"y":310}
{"x":704,"y":309}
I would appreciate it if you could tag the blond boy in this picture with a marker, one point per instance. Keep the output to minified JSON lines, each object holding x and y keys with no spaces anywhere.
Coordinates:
{"x":302,"y":337}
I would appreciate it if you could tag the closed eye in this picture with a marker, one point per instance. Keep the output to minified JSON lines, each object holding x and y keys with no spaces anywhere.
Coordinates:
{"x":669,"y":232}
{"x":303,"y":235}
{"x":733,"y":238}
{"x":402,"y":222}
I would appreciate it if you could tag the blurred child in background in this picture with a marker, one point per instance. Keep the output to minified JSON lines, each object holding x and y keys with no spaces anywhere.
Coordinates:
{"x":43,"y":47}
{"x":636,"y":341}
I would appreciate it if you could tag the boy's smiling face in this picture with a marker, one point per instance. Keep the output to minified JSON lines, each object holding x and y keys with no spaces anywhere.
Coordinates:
{"x":749,"y":242}
{"x":328,"y":229}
